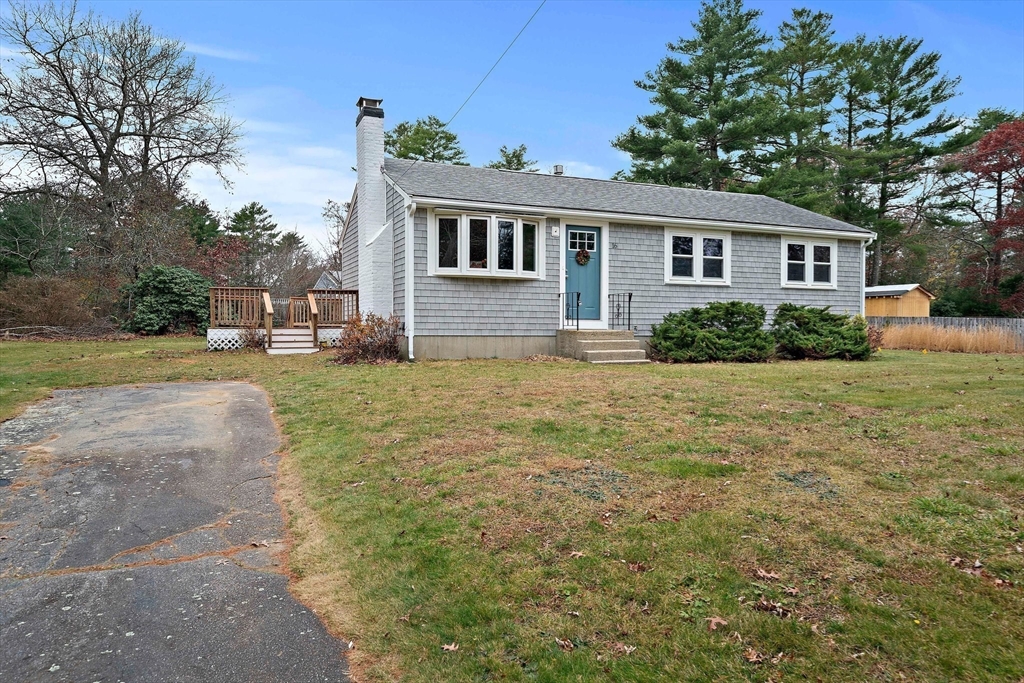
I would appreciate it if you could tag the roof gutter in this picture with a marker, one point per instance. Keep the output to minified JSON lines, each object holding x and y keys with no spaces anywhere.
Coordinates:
{"x":642,"y":219}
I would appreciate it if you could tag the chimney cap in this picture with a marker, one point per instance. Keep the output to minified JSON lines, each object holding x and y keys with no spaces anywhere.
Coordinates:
{"x":369,"y":102}
{"x":558,"y":169}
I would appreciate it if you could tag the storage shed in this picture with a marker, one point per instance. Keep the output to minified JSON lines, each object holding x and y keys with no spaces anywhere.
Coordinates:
{"x":907,"y":301}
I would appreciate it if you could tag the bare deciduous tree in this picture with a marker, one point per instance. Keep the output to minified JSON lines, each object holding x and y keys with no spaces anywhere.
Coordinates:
{"x":99,"y":112}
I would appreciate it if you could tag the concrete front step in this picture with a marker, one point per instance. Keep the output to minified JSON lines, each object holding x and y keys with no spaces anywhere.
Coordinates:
{"x":634,"y":355}
{"x":608,"y":344}
{"x":597,"y":335}
{"x":620,"y":362}
{"x":280,"y":351}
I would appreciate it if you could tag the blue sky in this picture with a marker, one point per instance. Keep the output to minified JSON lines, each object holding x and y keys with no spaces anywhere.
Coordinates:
{"x":294,"y":70}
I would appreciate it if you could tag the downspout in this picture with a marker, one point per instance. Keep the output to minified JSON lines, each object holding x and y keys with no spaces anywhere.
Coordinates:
{"x":410,"y":276}
{"x":863,"y":275}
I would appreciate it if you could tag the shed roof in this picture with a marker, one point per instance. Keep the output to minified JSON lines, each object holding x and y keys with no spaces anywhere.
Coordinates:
{"x":542,"y":191}
{"x":894,"y":290}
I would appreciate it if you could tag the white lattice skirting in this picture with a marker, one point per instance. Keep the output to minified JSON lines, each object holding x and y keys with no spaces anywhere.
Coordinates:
{"x":230,"y":339}
{"x":223,"y":339}
{"x":329,"y":335}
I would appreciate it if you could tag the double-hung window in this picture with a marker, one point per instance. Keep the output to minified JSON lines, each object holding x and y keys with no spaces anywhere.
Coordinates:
{"x":485,"y":245}
{"x":697,"y":257}
{"x":808,"y":263}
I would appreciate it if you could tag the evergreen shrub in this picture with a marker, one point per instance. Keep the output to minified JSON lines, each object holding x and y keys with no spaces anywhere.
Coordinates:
{"x":167,"y":299}
{"x":817,"y":333}
{"x":721,"y":331}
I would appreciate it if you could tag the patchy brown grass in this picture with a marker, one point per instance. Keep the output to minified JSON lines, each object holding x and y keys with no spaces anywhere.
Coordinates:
{"x":562,"y":521}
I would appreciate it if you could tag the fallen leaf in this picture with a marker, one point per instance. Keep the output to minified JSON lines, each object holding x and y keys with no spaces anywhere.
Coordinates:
{"x":753,"y":656}
{"x":767,"y":575}
{"x":575,"y":554}
{"x":573,"y":614}
{"x":638,"y":567}
{"x":565,"y":644}
{"x":715,"y":622}
{"x":771,"y":607}
{"x":625,"y":649}
{"x":451,"y":647}
{"x":404,"y":617}
{"x":792,"y":590}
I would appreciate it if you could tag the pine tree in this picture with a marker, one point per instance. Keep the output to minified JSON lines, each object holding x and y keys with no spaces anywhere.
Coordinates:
{"x":906,"y":89}
{"x":425,"y":140}
{"x":256,"y":227}
{"x":514,"y":160}
{"x":854,"y":83}
{"x":709,"y":108}
{"x":801,"y":79}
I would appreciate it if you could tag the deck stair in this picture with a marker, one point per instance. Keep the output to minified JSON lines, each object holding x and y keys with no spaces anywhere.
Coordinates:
{"x":287,"y":340}
{"x":604,"y":347}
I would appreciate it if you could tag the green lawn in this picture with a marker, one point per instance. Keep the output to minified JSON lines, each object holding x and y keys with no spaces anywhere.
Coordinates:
{"x":571,"y":522}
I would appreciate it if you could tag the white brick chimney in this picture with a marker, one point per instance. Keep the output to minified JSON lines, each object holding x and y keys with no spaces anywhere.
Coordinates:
{"x":376,"y":274}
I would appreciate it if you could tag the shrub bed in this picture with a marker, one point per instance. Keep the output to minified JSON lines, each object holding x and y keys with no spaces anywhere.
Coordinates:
{"x":735,"y":331}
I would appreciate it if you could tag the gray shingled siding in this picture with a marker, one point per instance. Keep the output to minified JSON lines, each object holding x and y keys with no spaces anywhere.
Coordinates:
{"x":455,"y":306}
{"x":637,"y":264}
{"x":350,"y":251}
{"x":396,"y":214}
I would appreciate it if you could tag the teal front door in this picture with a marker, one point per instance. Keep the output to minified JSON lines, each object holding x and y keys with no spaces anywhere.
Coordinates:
{"x":586,"y":278}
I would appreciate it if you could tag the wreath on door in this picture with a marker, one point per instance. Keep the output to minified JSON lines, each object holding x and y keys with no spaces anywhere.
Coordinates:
{"x":583,"y":257}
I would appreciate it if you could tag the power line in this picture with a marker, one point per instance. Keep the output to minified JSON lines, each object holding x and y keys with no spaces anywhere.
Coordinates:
{"x":489,"y":71}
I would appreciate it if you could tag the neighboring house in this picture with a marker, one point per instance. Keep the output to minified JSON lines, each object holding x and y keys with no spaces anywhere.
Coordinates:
{"x":477,"y":262}
{"x":909,"y":301}
{"x":329,"y":279}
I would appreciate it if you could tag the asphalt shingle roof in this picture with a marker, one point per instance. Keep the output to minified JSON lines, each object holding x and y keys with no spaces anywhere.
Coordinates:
{"x":890,"y":290}
{"x":472,"y":183}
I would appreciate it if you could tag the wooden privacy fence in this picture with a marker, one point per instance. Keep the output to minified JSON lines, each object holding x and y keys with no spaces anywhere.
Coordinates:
{"x":1014,"y":325}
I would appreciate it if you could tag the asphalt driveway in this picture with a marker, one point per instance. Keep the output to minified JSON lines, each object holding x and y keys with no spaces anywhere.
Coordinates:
{"x":140,"y":540}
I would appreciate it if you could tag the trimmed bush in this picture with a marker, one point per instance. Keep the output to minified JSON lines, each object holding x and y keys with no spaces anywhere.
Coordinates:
{"x":721,"y":331}
{"x":808,"y":332}
{"x":167,"y":299}
{"x":370,"y":339}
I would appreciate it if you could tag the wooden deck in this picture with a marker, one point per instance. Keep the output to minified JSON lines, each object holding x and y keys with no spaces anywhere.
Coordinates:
{"x":252,"y":308}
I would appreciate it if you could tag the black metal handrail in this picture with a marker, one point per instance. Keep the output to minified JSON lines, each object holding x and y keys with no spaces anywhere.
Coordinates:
{"x":620,"y":311}
{"x":570,"y":305}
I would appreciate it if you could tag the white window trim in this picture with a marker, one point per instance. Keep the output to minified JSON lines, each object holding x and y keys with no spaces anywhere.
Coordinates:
{"x":809,"y":245}
{"x":492,"y":270}
{"x":698,"y":258}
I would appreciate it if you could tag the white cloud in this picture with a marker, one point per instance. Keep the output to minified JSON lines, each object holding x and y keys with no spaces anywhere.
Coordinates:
{"x":8,"y":53}
{"x":293,"y":183}
{"x":221,"y":52}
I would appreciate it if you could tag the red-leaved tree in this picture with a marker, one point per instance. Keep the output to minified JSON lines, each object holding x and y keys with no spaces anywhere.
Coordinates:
{"x":988,"y":191}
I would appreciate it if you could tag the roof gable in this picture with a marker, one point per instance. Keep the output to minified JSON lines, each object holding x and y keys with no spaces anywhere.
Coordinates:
{"x":895,"y":290}
{"x":488,"y":185}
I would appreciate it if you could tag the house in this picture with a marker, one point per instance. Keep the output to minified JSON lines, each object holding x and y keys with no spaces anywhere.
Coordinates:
{"x":329,"y":279}
{"x":480,"y":262}
{"x":909,"y":301}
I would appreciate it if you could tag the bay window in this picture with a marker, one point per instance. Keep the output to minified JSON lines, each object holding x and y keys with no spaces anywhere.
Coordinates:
{"x":496,"y":246}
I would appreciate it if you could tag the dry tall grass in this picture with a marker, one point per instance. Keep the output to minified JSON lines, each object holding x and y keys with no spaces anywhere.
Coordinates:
{"x":933,"y":338}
